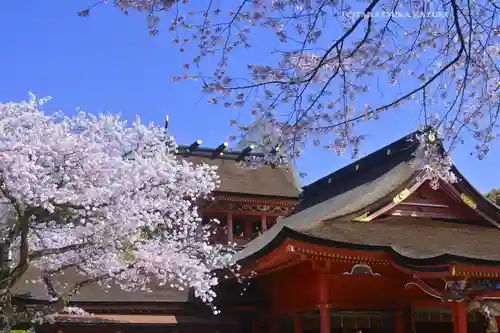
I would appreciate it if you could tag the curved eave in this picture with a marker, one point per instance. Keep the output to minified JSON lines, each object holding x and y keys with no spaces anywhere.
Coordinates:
{"x":344,"y":204}
{"x":442,"y":263}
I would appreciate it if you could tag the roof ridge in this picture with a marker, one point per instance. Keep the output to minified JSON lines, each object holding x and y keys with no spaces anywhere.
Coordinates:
{"x":359,"y":172}
{"x":379,"y":151}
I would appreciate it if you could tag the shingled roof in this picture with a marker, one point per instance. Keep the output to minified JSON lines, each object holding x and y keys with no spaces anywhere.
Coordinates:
{"x":264,"y":181}
{"x":93,"y":292}
{"x":328,"y":211}
{"x":422,"y":240}
{"x":417,"y":244}
{"x":358,"y":173}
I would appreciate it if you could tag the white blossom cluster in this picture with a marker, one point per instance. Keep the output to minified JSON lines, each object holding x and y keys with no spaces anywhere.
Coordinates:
{"x":107,"y":199}
{"x":432,"y":160}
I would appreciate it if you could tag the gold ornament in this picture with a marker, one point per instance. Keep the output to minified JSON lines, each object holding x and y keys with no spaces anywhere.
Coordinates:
{"x":363,"y":218}
{"x":401,"y":196}
{"x":468,"y":201}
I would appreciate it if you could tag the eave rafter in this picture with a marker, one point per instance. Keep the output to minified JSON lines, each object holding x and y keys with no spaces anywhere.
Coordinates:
{"x":270,"y":206}
{"x":256,"y":200}
{"x":374,"y":258}
{"x":292,"y":252}
{"x":279,"y":258}
{"x":338,"y":255}
{"x":469,"y":271}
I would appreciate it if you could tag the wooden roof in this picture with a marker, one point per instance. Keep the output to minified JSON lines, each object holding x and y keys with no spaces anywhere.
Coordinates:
{"x":358,"y":173}
{"x":414,"y":245}
{"x":352,"y":207}
{"x":95,"y":293}
{"x":415,"y":238}
{"x":264,"y":181}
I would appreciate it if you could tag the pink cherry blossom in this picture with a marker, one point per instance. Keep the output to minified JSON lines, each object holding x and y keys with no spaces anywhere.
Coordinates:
{"x":110,"y":200}
{"x":320,"y":61}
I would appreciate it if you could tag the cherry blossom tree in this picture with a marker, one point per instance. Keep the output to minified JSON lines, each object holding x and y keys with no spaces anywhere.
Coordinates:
{"x":322,"y":67}
{"x":108,"y":200}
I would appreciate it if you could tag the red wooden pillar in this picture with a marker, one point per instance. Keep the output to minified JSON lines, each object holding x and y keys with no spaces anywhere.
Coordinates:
{"x":459,"y":317}
{"x":399,"y":324}
{"x":255,"y":325}
{"x":412,"y":320}
{"x":274,"y":326}
{"x":411,"y":315}
{"x":324,"y":311}
{"x":263,"y":223}
{"x":229,"y":220}
{"x":297,"y":324}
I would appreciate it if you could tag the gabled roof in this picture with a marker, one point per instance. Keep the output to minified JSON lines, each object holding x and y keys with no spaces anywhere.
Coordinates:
{"x":366,"y":190}
{"x":358,"y":173}
{"x":264,"y":181}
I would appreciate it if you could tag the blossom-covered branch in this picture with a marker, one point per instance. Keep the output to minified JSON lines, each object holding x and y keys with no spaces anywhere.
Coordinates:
{"x":109,"y":200}
{"x":321,"y":67}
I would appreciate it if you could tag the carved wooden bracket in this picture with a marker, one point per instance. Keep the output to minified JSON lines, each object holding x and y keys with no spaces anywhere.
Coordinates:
{"x":248,"y":207}
{"x":361,"y":269}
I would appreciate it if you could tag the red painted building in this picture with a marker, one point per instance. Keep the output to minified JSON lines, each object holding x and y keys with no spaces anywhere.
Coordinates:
{"x":370,"y":248}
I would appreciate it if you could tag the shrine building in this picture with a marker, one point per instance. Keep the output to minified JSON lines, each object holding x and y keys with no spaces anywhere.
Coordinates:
{"x":247,"y":203}
{"x":373,"y":248}
{"x":369,"y":248}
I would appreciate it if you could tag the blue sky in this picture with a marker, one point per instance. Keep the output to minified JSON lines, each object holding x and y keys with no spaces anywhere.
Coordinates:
{"x":107,"y":62}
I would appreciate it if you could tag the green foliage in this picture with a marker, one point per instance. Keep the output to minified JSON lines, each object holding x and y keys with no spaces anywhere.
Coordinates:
{"x":494,"y":196}
{"x":127,"y":254}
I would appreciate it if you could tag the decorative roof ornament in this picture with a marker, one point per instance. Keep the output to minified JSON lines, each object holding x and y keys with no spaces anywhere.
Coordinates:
{"x":468,"y":201}
{"x":401,"y":196}
{"x":361,"y":269}
{"x":432,"y":159}
{"x":363,"y":218}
